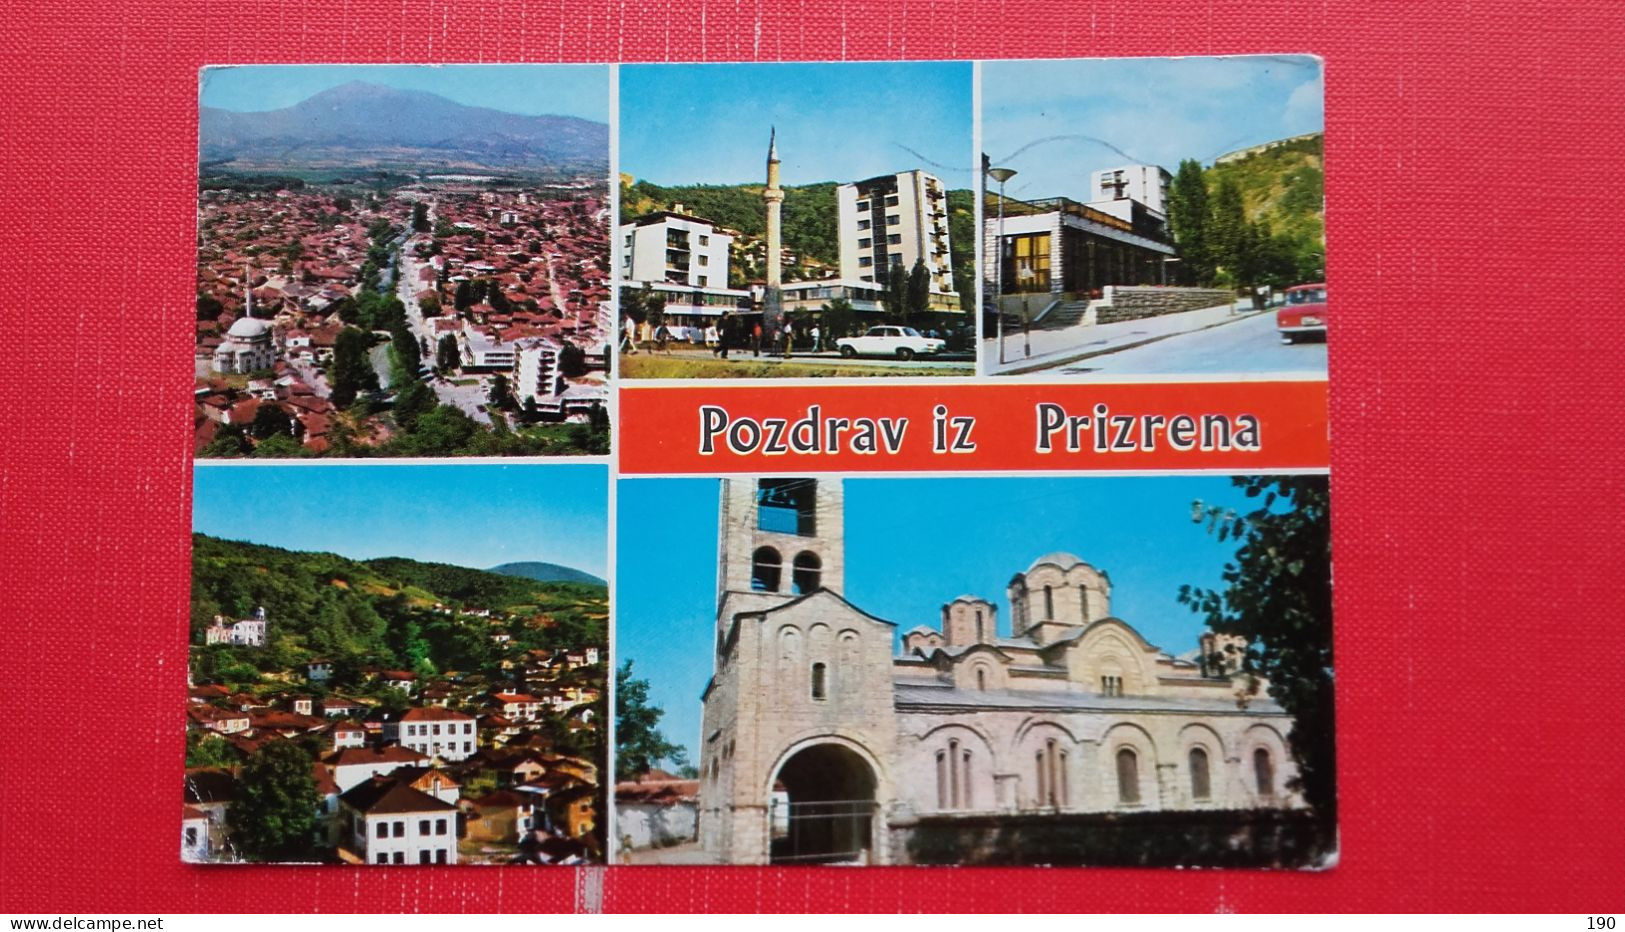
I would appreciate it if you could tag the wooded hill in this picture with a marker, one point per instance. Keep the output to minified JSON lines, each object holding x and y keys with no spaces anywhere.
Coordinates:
{"x":382,"y":611}
{"x":1285,"y":186}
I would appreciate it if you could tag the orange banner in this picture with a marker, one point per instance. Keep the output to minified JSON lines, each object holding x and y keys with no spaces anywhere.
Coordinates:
{"x":712,"y":428}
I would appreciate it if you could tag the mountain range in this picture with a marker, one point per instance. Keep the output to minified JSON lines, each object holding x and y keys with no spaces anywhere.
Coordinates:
{"x":547,"y":572}
{"x":359,"y":124}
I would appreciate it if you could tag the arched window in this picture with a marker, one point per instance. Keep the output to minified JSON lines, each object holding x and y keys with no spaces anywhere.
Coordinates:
{"x":981,"y":678}
{"x":981,"y":635}
{"x":942,"y":780}
{"x":1049,"y":604}
{"x":1083,"y":602}
{"x":964,"y":780}
{"x":766,"y":566}
{"x":1128,"y":776}
{"x":818,"y":684}
{"x":953,"y":776}
{"x":805,"y":572}
{"x":1264,"y":771}
{"x":1201,"y":787}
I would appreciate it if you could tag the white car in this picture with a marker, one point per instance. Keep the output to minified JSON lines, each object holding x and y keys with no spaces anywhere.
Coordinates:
{"x":902,"y":342}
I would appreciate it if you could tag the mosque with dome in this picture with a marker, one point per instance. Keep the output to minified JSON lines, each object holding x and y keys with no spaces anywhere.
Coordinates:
{"x":828,"y":736}
{"x":247,"y":347}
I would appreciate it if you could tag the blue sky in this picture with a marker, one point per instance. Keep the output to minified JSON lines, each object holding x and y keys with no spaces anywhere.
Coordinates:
{"x":469,"y":515}
{"x":566,"y":90}
{"x":955,"y":536}
{"x":1111,"y":112}
{"x":708,"y":124}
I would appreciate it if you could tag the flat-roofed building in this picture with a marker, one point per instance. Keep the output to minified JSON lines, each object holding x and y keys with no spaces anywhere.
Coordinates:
{"x":892,"y":220}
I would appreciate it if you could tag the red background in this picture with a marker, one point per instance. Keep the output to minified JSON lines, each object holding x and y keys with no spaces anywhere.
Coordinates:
{"x":1474,"y":155}
{"x":661,"y":428}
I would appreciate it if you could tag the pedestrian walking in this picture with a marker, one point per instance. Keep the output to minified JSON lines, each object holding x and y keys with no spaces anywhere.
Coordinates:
{"x":725,"y":334}
{"x":629,"y":331}
{"x":789,"y":336}
{"x":756,"y":339}
{"x":817,"y":336}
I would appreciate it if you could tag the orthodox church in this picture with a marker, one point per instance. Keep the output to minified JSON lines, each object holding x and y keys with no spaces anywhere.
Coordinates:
{"x":827,"y":737}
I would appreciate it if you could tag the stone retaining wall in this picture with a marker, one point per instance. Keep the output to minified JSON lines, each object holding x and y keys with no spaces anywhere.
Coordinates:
{"x":1131,"y":302}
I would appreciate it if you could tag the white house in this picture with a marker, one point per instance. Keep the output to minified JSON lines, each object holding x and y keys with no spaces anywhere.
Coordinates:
{"x":392,"y":823}
{"x":354,"y":766}
{"x":435,"y":732}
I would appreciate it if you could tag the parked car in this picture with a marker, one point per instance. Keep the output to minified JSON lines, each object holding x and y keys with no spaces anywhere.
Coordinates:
{"x":1304,"y":313}
{"x":902,"y":342}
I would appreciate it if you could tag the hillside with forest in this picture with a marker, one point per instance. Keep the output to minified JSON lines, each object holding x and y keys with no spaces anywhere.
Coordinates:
{"x":393,"y":612}
{"x":1255,"y":219}
{"x":1284,"y":186}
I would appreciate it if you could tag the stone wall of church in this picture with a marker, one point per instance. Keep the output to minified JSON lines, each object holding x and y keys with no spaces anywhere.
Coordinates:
{"x":999,"y":755}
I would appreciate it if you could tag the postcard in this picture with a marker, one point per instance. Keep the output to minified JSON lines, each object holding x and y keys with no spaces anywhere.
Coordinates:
{"x":935,"y":453}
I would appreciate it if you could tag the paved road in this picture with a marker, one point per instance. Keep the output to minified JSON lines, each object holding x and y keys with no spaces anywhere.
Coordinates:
{"x":959,"y":361}
{"x":1247,"y":346}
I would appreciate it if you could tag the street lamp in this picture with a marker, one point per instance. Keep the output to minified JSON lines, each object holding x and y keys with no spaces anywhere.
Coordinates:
{"x":1001,"y":175}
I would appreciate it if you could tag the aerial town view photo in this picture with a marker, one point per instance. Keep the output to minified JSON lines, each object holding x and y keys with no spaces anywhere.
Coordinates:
{"x":403,"y":261}
{"x":1154,"y":217}
{"x":825,"y":227}
{"x":397,"y":665}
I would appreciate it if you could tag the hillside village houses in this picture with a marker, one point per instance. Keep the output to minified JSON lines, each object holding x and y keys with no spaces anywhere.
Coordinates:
{"x":823,"y":743}
{"x":276,"y":264}
{"x":405,"y":787}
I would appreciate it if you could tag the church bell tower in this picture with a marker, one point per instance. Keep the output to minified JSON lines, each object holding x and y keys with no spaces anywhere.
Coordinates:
{"x":780,"y":539}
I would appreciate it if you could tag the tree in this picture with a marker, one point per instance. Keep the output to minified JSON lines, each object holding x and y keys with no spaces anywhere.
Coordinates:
{"x":1228,"y":233}
{"x":897,"y":293}
{"x":1278,"y":597}
{"x":464,"y":296}
{"x":919,"y":291}
{"x":429,"y":306}
{"x":280,"y":447}
{"x":572,"y":361}
{"x":273,"y":817}
{"x":420,"y":217}
{"x":407,"y":352}
{"x":270,"y":421}
{"x":351,"y":372}
{"x":447,"y":357}
{"x":204,"y":749}
{"x":412,"y":402}
{"x":639,"y":745}
{"x":208,"y":307}
{"x":838,"y":319}
{"x":1188,"y":218}
{"x":501,"y":394}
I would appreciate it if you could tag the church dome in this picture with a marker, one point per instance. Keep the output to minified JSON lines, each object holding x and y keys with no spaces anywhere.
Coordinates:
{"x":1058,"y":558}
{"x":249,"y":328}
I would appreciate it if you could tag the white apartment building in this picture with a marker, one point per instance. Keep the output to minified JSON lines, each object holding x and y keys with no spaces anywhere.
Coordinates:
{"x":674,"y":247}
{"x":535,"y":369}
{"x":897,"y":220}
{"x":435,"y":732}
{"x":1147,"y":184}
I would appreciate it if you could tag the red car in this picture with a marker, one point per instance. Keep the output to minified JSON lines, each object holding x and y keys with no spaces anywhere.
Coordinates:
{"x":1304,"y":314}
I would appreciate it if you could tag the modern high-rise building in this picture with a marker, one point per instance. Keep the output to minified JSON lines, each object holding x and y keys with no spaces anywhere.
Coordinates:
{"x":897,"y":220}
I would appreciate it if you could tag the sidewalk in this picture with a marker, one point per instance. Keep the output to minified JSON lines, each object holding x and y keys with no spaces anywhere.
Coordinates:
{"x":1052,"y":348}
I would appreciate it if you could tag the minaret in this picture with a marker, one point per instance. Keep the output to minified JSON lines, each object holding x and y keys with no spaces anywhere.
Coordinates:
{"x":773,"y":196}
{"x":248,"y":292}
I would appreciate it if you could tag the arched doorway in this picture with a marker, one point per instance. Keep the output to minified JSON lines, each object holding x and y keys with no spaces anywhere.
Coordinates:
{"x":823,"y":807}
